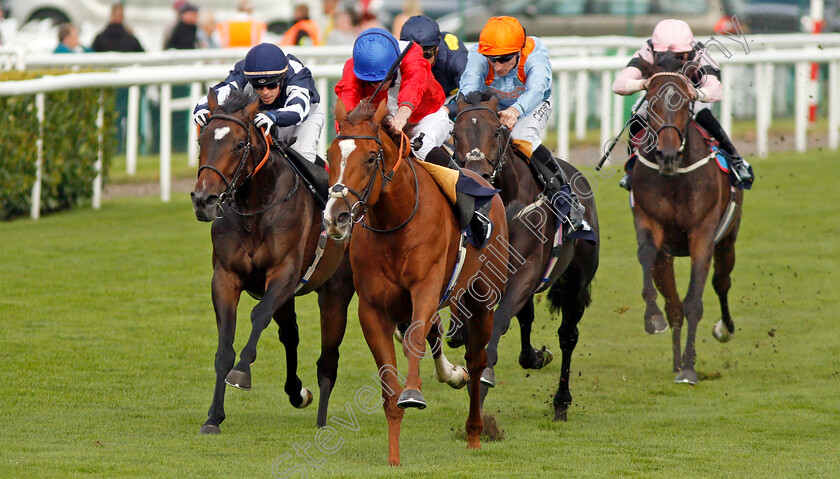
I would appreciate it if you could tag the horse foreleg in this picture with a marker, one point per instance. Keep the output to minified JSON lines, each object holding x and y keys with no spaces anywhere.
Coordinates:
{"x":481,"y":327}
{"x":286,"y":319}
{"x":278,"y":291}
{"x":648,"y":247}
{"x":514,"y":300}
{"x":445,"y":372}
{"x":378,"y":330}
{"x":529,"y":357}
{"x":700,"y":249}
{"x":663,"y":276}
{"x":226,"y":289}
{"x":333,"y":298}
{"x":424,"y":300}
{"x":572,"y":290}
{"x":724,"y":264}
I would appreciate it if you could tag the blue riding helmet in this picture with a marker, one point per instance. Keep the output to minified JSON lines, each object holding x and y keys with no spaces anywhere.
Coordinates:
{"x":422,"y":30}
{"x":265,"y":64}
{"x":373,"y":54}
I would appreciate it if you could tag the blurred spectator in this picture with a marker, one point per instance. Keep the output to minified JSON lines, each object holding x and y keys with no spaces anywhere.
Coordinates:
{"x":303,"y":31}
{"x":184,"y":35}
{"x":208,"y":36}
{"x":242,"y":30}
{"x":330,"y":10}
{"x":115,"y":37}
{"x":368,"y":20}
{"x":68,"y":40}
{"x":410,"y":8}
{"x":344,"y":31}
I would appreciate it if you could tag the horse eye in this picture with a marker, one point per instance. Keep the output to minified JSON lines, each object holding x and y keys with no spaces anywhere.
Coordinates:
{"x":239,"y":145}
{"x":372,"y":157}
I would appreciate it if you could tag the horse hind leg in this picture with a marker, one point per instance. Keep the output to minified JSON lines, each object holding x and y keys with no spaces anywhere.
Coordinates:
{"x":570,"y":294}
{"x":530,"y":358}
{"x":724,"y":264}
{"x":663,"y":276}
{"x":456,"y":376}
{"x":333,"y":300}
{"x":286,"y":319}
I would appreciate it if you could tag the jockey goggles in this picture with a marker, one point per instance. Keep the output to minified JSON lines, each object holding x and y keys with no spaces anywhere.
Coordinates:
{"x":500,"y":58}
{"x":258,"y":87}
{"x":430,"y":52}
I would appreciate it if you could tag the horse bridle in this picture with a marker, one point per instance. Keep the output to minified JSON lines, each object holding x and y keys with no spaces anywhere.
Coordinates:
{"x":359,"y":209}
{"x":231,"y":186}
{"x":671,"y":125}
{"x":476,"y":155}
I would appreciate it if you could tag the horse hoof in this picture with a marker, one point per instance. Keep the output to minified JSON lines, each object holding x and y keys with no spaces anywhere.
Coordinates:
{"x":411,"y":398}
{"x":686,"y":376}
{"x":238,"y":379}
{"x":306,"y":395}
{"x":463,"y":381}
{"x":656,"y":324}
{"x":721,"y":332}
{"x":540,"y":359}
{"x":560,"y":416}
{"x":488,"y":377}
{"x":210,"y":429}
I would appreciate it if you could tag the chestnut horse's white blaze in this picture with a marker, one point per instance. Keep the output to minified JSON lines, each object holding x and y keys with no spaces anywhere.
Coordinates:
{"x":347,"y":147}
{"x":220,"y":133}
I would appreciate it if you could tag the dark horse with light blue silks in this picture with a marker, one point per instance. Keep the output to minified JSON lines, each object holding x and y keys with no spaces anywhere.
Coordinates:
{"x":683,"y":205}
{"x":541,"y":256}
{"x":268,"y":241}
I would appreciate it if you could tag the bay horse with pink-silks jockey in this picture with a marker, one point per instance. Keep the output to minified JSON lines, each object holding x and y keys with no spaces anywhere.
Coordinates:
{"x":683,"y":205}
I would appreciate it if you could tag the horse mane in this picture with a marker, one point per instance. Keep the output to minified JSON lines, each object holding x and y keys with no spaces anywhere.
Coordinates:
{"x":476,"y":97}
{"x":668,"y":62}
{"x":238,"y":100}
{"x":363,"y":112}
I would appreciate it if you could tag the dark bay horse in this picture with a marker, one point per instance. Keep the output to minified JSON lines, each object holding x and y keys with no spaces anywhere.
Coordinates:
{"x":266,"y":233}
{"x":482,"y":145}
{"x":403,"y":258}
{"x":680,"y":197}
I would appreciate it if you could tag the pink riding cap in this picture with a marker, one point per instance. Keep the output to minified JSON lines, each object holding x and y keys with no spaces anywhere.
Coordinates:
{"x":672,"y":35}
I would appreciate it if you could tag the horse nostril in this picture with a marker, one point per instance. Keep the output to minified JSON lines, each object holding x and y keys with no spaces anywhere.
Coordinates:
{"x":486,"y":176}
{"x":343,"y":219}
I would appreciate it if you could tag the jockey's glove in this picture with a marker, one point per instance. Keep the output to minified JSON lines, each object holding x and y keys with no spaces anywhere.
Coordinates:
{"x":264,"y":119}
{"x":201,"y":117}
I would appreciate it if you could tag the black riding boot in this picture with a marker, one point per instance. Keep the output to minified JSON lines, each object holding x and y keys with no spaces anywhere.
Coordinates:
{"x":544,"y":156}
{"x":636,"y":125}
{"x":742,"y":171}
{"x":438,"y":156}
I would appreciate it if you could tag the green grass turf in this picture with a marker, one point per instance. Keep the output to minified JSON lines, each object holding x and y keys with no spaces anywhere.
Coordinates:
{"x":108,"y":340}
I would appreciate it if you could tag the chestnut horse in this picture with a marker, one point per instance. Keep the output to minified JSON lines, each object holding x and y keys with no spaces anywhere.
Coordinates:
{"x":482,"y":145}
{"x":680,"y":197}
{"x":404,"y":257}
{"x":266,"y":232}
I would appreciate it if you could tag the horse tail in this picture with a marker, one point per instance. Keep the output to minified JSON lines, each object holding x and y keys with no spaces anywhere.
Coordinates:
{"x":555,"y":293}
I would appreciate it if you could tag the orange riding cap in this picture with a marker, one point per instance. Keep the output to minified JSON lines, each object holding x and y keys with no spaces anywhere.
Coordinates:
{"x":501,"y":35}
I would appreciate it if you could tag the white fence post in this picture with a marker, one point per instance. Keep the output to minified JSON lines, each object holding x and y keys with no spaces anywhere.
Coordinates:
{"x":833,"y":104}
{"x":618,"y":101}
{"x":606,"y":101}
{"x":165,"y":140}
{"x":35,"y":211}
{"x":323,"y":85}
{"x":726,"y":101}
{"x":801,"y":109}
{"x":192,"y":132}
{"x":581,"y":104}
{"x":563,"y":94}
{"x":97,"y":166}
{"x":762,"y":91}
{"x":131,"y":129}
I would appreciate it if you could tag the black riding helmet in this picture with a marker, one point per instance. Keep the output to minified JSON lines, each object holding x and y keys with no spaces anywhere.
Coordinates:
{"x":265,"y":64}
{"x":422,"y":30}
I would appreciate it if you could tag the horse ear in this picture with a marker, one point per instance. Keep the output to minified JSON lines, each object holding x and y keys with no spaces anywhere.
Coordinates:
{"x":460,"y":102}
{"x":340,"y":111}
{"x":645,"y":67}
{"x":252,"y":109}
{"x":494,"y":102}
{"x":381,"y":111}
{"x":212,"y":100}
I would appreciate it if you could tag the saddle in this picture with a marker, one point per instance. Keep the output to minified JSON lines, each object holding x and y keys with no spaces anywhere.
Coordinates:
{"x":315,"y":177}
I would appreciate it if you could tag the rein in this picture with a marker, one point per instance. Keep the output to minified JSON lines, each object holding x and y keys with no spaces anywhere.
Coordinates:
{"x":476,"y":155}
{"x":340,"y":191}
{"x":232,"y":185}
